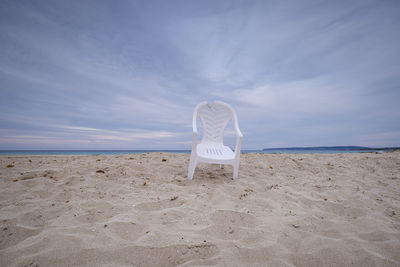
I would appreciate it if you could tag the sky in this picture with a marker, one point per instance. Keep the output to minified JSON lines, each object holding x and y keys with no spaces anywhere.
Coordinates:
{"x":128,"y":74}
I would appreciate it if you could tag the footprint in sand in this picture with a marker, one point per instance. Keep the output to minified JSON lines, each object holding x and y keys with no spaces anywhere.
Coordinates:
{"x":264,"y":256}
{"x":12,"y":235}
{"x":225,"y":232}
{"x":158,"y":256}
{"x":342,"y":210}
{"x":128,"y":230}
{"x":161,"y":217}
{"x":159,"y":205}
{"x":377,"y":236}
{"x":234,"y":218}
{"x":96,"y":211}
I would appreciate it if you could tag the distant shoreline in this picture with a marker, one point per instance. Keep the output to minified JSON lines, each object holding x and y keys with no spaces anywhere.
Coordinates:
{"x":288,"y":150}
{"x":336,"y":148}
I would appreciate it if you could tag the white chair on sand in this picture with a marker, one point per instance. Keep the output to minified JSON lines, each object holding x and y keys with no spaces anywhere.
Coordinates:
{"x":214,"y":119}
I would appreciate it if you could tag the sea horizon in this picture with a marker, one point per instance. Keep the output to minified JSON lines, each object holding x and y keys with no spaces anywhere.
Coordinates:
{"x":280,"y":150}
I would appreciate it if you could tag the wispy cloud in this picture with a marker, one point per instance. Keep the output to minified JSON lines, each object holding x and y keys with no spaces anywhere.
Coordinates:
{"x":126,"y":134}
{"x":77,"y":73}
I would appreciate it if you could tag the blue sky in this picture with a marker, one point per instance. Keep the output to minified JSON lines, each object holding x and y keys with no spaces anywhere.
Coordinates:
{"x":128,"y":74}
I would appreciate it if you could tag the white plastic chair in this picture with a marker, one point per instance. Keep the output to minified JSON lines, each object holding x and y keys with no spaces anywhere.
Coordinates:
{"x":214,"y":119}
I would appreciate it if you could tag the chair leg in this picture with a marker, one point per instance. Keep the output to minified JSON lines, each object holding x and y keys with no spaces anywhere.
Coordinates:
{"x":235,"y":171}
{"x":192,"y":166}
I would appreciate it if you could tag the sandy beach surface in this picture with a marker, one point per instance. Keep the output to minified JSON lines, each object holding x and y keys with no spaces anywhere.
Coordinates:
{"x":140,"y":210}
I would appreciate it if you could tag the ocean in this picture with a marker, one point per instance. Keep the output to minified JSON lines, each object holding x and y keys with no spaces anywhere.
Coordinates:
{"x":294,"y":150}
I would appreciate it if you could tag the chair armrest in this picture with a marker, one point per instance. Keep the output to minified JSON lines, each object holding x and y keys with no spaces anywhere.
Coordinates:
{"x":238,"y":144}
{"x":239,"y":136}
{"x":236,"y":126}
{"x":194,"y":125}
{"x":238,"y":132}
{"x":194,"y":142}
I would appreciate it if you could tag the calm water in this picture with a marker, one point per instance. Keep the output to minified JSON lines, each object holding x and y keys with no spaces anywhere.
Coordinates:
{"x":119,"y":152}
{"x":85,"y":152}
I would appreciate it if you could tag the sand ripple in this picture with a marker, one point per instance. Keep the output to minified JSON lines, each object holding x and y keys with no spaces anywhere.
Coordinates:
{"x":284,"y":210}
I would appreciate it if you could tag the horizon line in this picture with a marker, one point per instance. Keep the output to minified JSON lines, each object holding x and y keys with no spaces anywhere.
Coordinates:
{"x":161,"y":150}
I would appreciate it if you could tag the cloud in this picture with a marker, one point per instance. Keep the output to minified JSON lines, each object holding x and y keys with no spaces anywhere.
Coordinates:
{"x":86,"y":138}
{"x":125,"y":134}
{"x":130,"y":74}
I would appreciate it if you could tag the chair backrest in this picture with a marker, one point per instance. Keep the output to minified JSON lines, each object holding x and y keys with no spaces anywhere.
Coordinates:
{"x":214,"y":119}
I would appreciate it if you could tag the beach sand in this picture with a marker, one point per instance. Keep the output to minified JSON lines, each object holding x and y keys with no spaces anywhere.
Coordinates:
{"x":140,"y":209}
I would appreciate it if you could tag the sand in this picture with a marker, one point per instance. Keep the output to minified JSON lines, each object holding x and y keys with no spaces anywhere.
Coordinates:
{"x":124,"y":210}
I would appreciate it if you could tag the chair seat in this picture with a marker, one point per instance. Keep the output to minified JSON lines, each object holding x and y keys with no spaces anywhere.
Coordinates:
{"x":214,"y":151}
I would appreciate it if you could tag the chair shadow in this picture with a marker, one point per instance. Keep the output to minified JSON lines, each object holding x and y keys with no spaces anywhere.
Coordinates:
{"x":213,"y":172}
